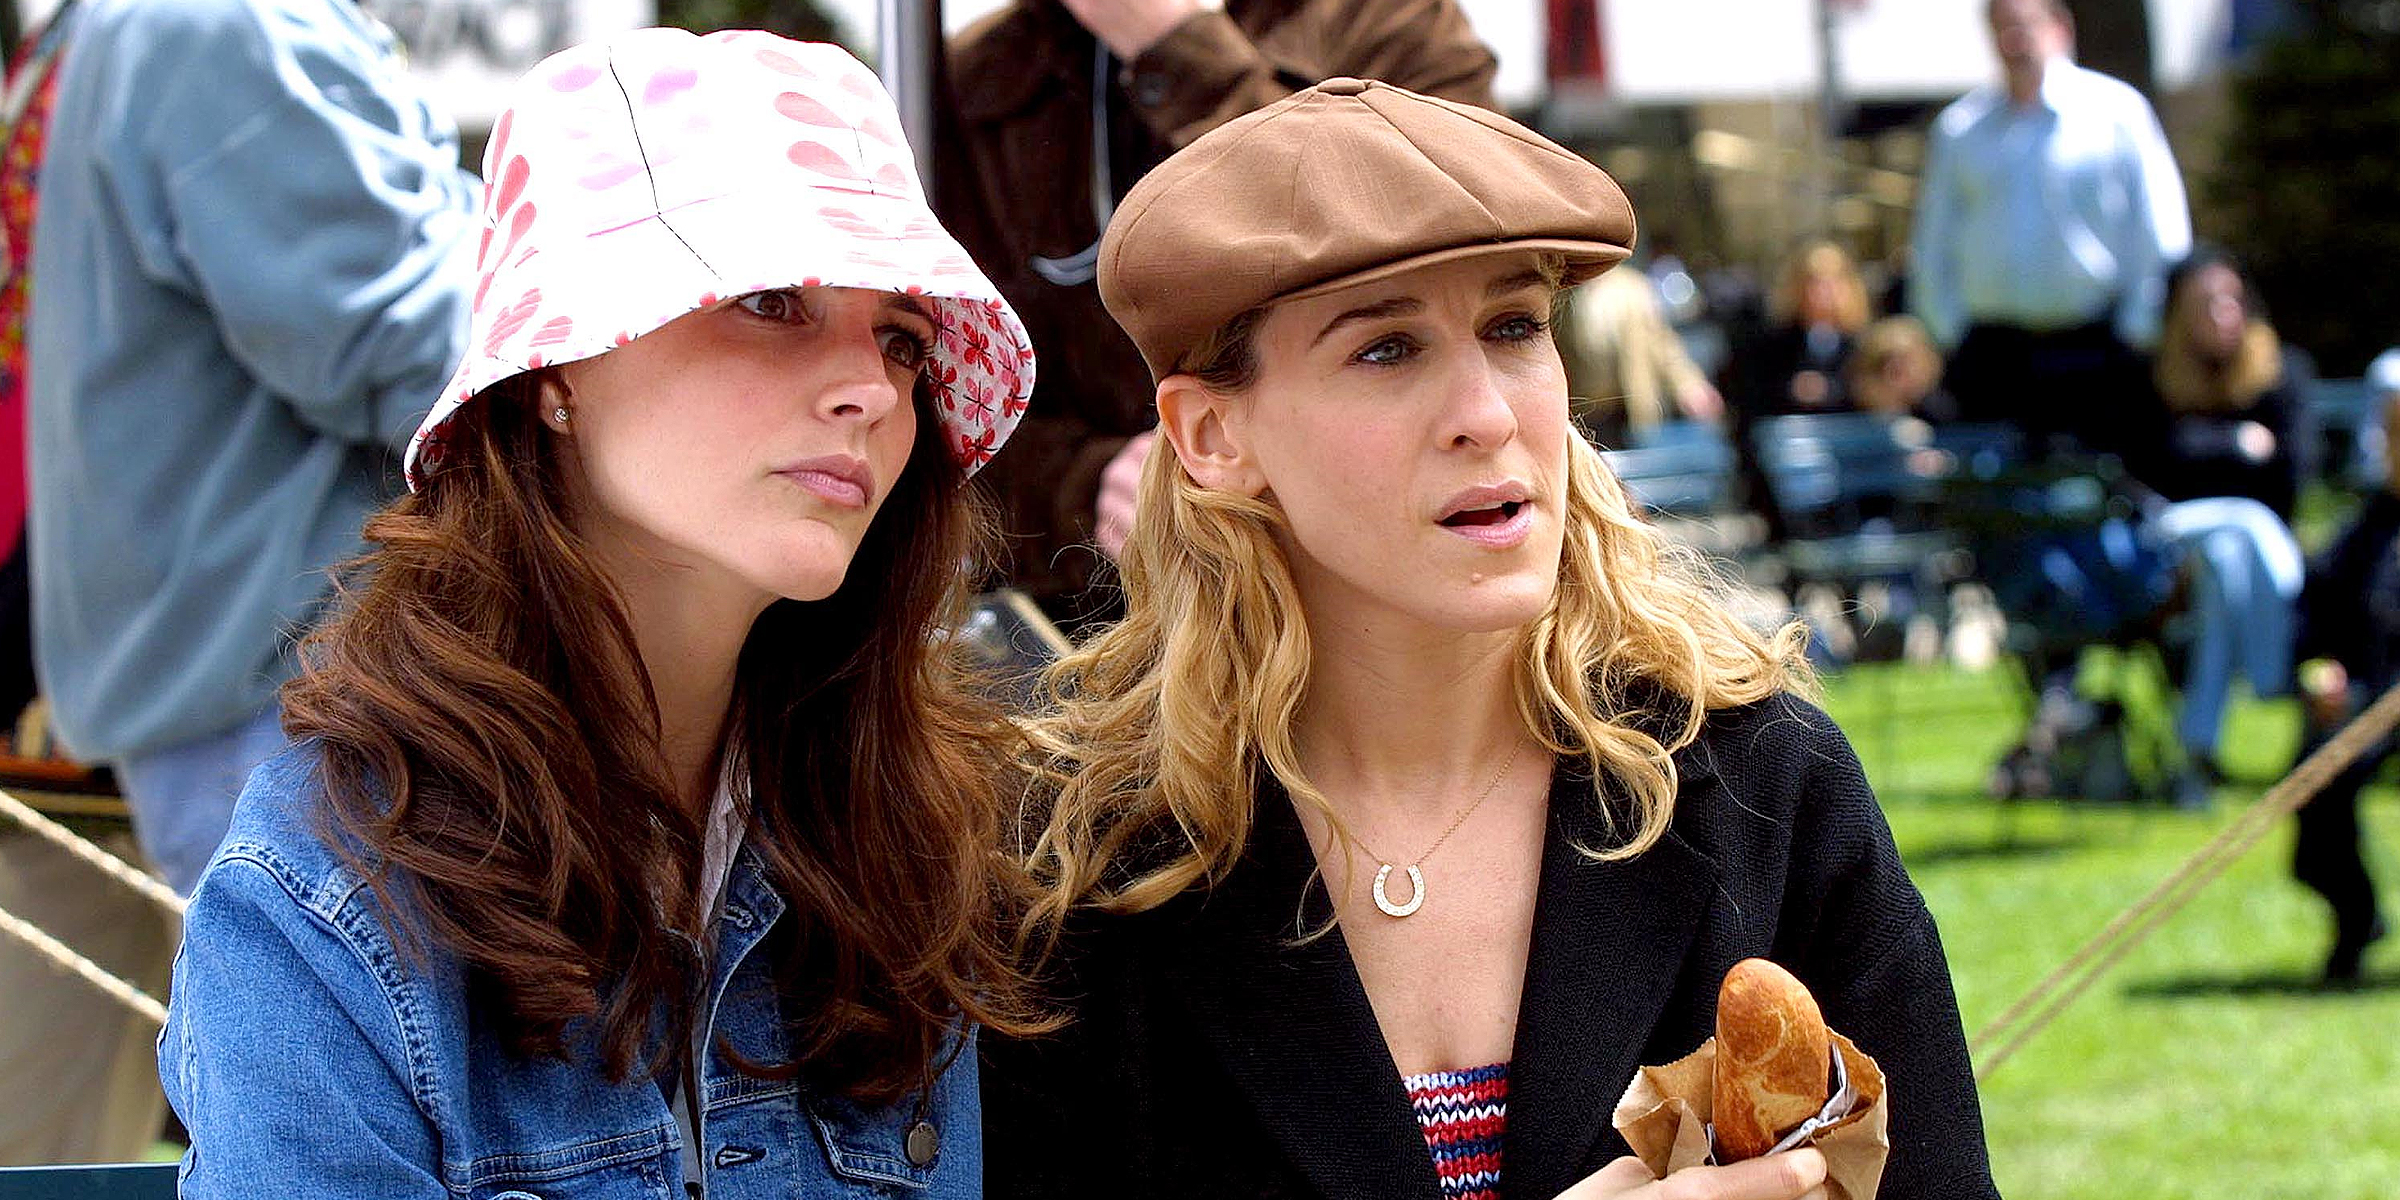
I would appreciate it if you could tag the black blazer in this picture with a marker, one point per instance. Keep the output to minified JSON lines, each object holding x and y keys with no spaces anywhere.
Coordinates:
{"x":1212,"y":1057}
{"x":2188,"y":456}
{"x":1761,"y":372}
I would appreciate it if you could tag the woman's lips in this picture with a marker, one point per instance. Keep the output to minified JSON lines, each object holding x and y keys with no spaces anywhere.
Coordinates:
{"x":829,"y":486}
{"x":1510,"y":527}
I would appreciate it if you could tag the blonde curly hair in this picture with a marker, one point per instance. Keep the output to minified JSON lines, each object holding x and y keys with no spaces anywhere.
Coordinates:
{"x":1147,"y":762}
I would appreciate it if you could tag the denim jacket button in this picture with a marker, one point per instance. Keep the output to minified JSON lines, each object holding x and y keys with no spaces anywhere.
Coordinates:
{"x":924,"y":1142}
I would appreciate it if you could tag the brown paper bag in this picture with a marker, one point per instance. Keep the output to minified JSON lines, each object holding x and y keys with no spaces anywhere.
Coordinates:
{"x":1666,"y":1110}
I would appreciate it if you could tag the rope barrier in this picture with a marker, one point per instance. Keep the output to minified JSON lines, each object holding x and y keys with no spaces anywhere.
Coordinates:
{"x":59,"y":953}
{"x":2046,"y":1000}
{"x":65,"y":958}
{"x":115,"y":868}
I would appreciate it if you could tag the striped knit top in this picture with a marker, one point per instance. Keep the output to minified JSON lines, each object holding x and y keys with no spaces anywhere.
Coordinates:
{"x":1463,"y":1114}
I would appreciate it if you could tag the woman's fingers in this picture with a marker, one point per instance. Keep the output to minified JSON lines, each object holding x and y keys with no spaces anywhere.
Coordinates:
{"x":1619,"y":1178}
{"x":1796,"y":1175}
{"x":1792,"y":1175}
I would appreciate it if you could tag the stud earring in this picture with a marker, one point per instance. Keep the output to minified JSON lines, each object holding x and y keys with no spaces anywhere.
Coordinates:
{"x":559,"y":414}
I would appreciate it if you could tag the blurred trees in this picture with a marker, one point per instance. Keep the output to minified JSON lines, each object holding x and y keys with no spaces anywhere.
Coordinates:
{"x":2308,"y":192}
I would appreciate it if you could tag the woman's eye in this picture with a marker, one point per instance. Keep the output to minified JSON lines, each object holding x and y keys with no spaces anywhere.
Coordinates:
{"x":1520,"y":328}
{"x":907,"y":348}
{"x":1388,"y":351}
{"x":774,"y":306}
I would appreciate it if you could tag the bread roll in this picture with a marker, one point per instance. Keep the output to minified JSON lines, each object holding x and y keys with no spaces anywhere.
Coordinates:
{"x":1773,"y":1058}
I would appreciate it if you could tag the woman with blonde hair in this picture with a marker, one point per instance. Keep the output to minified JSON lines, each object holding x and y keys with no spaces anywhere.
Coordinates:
{"x":1797,"y":364}
{"x":1423,"y":793}
{"x":2218,"y":439}
{"x":1897,"y":372}
{"x":2227,"y":393}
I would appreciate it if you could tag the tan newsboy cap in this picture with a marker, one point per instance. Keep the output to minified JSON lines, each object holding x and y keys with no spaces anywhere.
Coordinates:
{"x":1344,"y":183}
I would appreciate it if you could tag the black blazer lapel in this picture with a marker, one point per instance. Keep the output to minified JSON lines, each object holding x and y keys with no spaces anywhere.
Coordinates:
{"x":1609,"y":939}
{"x":1292,"y":1024}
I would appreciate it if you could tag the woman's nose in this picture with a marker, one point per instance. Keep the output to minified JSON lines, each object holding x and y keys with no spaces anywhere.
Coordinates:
{"x":858,"y":381}
{"x":1480,"y":412}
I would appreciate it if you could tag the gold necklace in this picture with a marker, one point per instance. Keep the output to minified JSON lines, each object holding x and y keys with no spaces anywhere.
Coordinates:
{"x":1415,"y":867}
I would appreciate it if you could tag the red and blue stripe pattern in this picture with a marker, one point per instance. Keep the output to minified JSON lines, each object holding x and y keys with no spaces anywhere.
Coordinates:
{"x":1463,"y":1114}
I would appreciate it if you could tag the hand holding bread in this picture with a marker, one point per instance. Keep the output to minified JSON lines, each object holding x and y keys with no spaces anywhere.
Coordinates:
{"x":1767,"y":1077}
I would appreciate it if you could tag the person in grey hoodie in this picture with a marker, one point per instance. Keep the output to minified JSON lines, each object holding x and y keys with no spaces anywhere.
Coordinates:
{"x":252,"y":268}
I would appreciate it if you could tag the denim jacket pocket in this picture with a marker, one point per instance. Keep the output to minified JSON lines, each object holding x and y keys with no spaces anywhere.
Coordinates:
{"x":871,"y":1145}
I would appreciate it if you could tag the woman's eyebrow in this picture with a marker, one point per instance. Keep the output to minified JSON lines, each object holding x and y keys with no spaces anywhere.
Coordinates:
{"x":1397,"y":306}
{"x":912,"y":305}
{"x":1509,"y":283}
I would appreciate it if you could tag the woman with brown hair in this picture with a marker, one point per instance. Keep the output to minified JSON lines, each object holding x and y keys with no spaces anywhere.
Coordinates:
{"x":639,"y":835}
{"x":1424,"y":792}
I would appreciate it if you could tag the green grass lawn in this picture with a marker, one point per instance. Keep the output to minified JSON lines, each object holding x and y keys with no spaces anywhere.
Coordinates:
{"x":2206,"y":1064}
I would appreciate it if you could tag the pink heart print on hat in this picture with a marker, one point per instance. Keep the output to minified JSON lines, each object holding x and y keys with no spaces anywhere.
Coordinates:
{"x":638,"y":179}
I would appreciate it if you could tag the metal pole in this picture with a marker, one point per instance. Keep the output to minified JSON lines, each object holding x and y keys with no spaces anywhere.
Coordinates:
{"x":909,"y":33}
{"x":1832,"y":110}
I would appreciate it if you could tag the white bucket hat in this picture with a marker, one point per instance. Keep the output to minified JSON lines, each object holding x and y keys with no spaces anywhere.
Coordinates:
{"x":634,"y":180}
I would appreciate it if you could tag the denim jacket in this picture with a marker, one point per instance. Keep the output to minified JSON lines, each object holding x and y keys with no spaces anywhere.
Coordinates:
{"x":309,"y":1055}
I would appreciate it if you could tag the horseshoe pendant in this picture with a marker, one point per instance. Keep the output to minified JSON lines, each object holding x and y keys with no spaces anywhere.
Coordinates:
{"x":1416,"y":894}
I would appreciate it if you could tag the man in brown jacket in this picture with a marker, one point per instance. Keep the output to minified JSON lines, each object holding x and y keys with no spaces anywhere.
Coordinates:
{"x":1024,"y":182}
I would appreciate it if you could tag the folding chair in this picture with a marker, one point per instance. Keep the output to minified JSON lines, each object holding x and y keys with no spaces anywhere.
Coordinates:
{"x":1854,"y":492}
{"x":1684,"y":474}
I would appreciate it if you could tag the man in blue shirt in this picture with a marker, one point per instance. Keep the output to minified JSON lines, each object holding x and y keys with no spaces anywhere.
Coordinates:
{"x":2049,"y":212}
{"x":252,"y":266}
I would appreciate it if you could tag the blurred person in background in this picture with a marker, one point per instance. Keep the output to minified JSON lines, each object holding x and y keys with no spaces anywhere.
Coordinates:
{"x":251,"y":269}
{"x":2048,"y":212}
{"x":1797,"y":365}
{"x":2211,"y":443}
{"x":1056,"y":107}
{"x":2226,"y":394}
{"x":2214,"y":437}
{"x":1896,"y":371}
{"x":254,"y":261}
{"x":2383,"y":383}
{"x":1626,"y":367}
{"x":2349,"y":644}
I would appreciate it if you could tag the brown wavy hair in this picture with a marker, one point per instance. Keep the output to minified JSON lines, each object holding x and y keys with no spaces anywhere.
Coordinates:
{"x":491,"y":759}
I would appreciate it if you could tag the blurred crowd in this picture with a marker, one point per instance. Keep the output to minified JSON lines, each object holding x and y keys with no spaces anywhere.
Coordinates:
{"x":2059,"y":400}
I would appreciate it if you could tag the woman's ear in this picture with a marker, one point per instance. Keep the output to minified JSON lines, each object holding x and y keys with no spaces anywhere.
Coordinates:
{"x":1209,"y":435}
{"x":557,"y":399}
